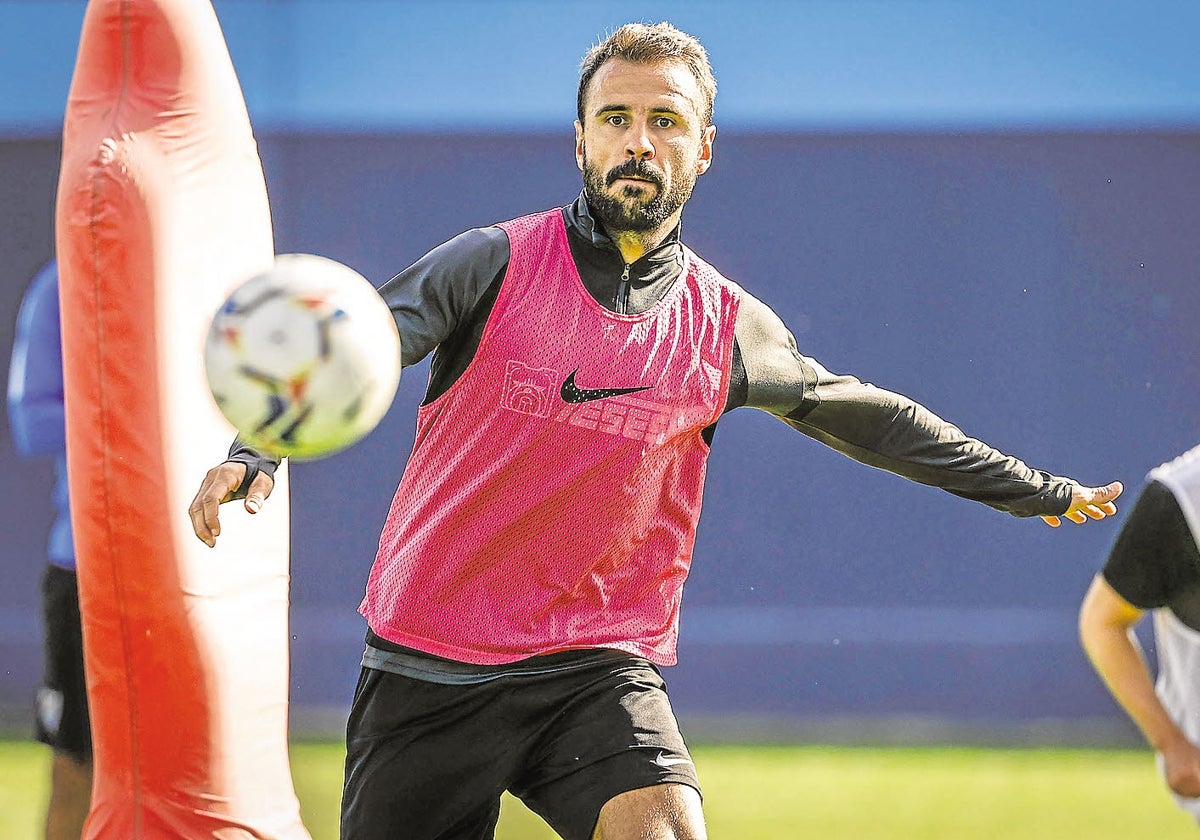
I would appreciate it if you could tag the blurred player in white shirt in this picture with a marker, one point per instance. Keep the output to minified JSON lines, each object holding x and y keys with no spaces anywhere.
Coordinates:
{"x":1154,"y":566}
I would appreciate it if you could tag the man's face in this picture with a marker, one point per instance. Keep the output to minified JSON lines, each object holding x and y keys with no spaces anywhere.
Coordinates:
{"x":642,"y":143}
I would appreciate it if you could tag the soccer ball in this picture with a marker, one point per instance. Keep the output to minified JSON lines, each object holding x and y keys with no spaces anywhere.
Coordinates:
{"x":303,"y":359}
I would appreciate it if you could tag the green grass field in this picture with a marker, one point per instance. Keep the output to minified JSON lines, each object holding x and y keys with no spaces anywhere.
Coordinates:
{"x":756,"y":793}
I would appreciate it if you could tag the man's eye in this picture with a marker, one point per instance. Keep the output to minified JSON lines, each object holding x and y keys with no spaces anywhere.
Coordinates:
{"x":615,"y":119}
{"x":664,"y":122}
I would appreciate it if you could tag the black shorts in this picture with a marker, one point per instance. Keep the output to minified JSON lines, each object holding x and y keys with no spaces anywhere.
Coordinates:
{"x":61,"y":710}
{"x":429,"y":760}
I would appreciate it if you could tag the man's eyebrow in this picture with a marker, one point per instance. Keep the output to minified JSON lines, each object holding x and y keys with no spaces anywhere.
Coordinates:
{"x":618,"y":107}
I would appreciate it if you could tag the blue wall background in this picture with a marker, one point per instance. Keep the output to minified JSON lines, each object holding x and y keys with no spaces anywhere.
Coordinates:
{"x":991,"y":209}
{"x":386,"y":65}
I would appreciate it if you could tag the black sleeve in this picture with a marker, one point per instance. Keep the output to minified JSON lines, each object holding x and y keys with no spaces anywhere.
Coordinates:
{"x":432,"y":297}
{"x":1154,"y":556}
{"x":891,"y":432}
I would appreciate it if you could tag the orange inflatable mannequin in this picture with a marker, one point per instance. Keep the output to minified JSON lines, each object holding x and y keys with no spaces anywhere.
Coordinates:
{"x":162,"y":210}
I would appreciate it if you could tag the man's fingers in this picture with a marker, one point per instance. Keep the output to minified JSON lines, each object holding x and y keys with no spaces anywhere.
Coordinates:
{"x":204,"y":511}
{"x":1097,"y":503}
{"x":200,"y":525}
{"x":204,"y":514}
{"x":1104,"y":496}
{"x":1052,"y":521}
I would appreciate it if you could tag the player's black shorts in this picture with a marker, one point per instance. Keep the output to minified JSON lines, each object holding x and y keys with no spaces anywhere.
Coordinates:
{"x":430,"y":760}
{"x":61,"y":710}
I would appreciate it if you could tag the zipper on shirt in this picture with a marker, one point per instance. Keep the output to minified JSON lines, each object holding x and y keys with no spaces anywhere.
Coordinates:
{"x":622,"y":301}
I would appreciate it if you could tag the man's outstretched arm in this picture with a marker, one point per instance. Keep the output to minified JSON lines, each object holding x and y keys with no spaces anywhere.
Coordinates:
{"x":892,"y":432}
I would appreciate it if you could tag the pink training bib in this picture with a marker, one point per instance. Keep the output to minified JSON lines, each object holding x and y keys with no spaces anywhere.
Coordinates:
{"x":553,"y":492}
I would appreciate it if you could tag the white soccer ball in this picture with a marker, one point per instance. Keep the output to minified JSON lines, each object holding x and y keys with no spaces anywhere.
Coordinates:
{"x":303,"y":359}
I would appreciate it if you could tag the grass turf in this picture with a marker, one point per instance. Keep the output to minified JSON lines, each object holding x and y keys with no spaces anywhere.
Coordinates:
{"x":925,"y":793}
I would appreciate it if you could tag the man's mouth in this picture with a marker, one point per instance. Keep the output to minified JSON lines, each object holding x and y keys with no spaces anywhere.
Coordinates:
{"x":639,"y":177}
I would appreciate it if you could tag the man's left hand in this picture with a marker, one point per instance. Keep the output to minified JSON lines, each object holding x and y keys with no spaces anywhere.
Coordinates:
{"x":1089,"y":503}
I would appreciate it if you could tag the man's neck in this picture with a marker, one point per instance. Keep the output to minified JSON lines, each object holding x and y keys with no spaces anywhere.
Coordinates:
{"x":634,"y":245}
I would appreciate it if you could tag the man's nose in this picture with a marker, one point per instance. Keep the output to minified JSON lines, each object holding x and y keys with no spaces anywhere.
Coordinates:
{"x":638,"y":145}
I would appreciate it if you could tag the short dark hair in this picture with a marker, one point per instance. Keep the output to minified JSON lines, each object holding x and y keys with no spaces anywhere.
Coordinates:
{"x":643,"y":43}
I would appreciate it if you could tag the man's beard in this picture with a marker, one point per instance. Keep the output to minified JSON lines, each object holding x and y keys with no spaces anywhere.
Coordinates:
{"x":630,"y":213}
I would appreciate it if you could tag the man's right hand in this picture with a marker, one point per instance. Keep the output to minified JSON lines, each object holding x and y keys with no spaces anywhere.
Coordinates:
{"x":219,"y":485}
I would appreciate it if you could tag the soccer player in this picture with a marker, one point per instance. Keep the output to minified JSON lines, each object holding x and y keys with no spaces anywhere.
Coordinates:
{"x":528,"y":580}
{"x":35,"y":411}
{"x":1154,"y":565}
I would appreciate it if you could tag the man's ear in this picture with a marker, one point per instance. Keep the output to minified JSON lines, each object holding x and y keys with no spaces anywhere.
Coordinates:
{"x":706,"y":149}
{"x":579,"y":145}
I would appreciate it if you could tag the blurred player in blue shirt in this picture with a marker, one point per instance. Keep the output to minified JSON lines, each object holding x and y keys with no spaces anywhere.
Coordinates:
{"x":36,"y":417}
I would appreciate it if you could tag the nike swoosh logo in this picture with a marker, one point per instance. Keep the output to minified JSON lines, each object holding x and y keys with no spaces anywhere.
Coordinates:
{"x":662,"y":761}
{"x":572,"y":393}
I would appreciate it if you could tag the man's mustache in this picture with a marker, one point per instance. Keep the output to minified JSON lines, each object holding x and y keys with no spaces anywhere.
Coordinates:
{"x":634,"y":169}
